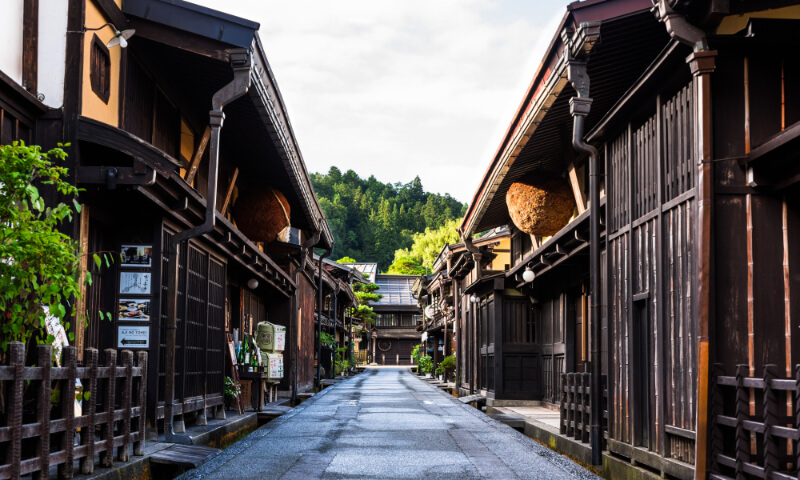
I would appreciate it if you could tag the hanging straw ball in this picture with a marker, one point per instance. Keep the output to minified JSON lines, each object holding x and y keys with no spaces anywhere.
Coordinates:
{"x":262,"y":214}
{"x":540,"y":205}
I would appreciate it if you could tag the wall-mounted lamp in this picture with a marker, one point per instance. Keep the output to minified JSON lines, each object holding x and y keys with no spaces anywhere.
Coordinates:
{"x":252,"y":284}
{"x":528,"y":274}
{"x":473,"y":299}
{"x":120,"y":38}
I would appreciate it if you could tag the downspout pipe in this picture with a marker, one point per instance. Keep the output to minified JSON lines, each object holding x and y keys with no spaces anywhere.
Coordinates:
{"x":319,"y":319}
{"x":313,"y":240}
{"x":242,"y":64}
{"x":579,"y":108}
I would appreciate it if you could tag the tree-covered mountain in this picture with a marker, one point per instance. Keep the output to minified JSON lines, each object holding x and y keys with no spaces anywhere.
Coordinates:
{"x":370,"y":220}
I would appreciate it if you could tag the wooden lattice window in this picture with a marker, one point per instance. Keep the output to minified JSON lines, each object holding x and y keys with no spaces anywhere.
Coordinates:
{"x":100,"y":69}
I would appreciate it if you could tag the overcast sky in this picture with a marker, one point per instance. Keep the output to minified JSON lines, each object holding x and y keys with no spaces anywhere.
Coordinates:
{"x":402,"y":88}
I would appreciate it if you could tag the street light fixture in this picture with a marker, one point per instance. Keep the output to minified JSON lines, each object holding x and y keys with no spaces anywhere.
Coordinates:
{"x":528,"y":274}
{"x":120,"y":37}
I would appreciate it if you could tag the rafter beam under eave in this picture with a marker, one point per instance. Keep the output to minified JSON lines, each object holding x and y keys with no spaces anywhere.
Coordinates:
{"x":181,"y":40}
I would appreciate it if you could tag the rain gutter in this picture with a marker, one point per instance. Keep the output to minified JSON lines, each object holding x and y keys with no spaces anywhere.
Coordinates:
{"x":241,"y":63}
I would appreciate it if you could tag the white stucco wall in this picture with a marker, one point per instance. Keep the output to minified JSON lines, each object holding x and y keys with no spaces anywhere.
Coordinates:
{"x":52,"y":50}
{"x":11,"y":39}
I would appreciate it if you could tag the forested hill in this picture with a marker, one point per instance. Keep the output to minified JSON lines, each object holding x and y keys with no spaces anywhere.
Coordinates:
{"x":370,"y":219}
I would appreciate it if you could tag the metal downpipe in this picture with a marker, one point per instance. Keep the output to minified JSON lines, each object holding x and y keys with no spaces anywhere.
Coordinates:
{"x":579,"y":115}
{"x":241,"y":62}
{"x":319,"y":320}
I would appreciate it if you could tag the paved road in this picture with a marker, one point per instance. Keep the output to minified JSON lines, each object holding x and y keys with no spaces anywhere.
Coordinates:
{"x":387,"y":424}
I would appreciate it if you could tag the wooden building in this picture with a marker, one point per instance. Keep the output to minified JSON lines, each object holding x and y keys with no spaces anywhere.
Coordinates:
{"x":398,"y":317}
{"x":337,"y":300}
{"x":692,"y":114}
{"x":156,"y":165}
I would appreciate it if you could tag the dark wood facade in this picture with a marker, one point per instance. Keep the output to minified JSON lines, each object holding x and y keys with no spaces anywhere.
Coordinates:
{"x":696,"y":138}
{"x":138,"y":123}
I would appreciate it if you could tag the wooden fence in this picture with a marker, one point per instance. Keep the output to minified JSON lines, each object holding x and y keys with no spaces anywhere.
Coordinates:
{"x":576,"y":405}
{"x":38,"y":430}
{"x":755,"y":424}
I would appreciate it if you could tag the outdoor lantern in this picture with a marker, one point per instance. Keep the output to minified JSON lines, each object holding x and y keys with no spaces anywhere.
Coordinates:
{"x":119,"y":38}
{"x":252,"y":284}
{"x":473,"y":299}
{"x":528,"y":274}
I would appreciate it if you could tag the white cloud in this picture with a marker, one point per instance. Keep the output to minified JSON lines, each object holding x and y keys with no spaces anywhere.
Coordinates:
{"x":403,"y":88}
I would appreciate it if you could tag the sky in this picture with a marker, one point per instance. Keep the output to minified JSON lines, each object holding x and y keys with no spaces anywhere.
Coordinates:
{"x":402,"y":88}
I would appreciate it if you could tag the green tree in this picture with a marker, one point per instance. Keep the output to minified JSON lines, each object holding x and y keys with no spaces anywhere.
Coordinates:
{"x":419,"y":258}
{"x":39,"y":265}
{"x":371,"y":220}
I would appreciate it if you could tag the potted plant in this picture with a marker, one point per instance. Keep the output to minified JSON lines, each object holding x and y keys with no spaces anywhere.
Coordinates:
{"x":446,"y":367}
{"x":426,"y":365}
{"x":416,"y":355}
{"x":231,"y":392}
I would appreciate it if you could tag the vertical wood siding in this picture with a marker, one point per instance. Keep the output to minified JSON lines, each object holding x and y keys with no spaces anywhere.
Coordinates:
{"x":651,"y":280}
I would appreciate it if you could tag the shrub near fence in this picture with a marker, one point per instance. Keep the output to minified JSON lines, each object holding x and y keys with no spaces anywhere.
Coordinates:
{"x":37,"y":432}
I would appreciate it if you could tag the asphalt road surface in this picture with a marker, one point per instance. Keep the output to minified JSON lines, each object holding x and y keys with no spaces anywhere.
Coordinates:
{"x":387,"y":423}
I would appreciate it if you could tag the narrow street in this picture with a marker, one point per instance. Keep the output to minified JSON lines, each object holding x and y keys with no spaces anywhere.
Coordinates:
{"x":387,"y":423}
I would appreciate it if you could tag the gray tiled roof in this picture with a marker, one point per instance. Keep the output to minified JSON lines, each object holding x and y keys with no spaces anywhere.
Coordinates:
{"x":396,"y":290}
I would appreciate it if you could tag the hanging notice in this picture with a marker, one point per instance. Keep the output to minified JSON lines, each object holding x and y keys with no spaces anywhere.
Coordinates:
{"x":133,"y":337}
{"x":275,"y":366}
{"x":280,"y":338}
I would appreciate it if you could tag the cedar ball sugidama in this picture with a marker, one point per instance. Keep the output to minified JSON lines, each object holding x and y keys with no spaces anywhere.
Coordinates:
{"x":540,"y":205}
{"x":262,"y":214}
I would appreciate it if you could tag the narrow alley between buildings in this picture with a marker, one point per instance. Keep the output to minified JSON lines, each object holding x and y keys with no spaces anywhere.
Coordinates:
{"x":387,"y":423}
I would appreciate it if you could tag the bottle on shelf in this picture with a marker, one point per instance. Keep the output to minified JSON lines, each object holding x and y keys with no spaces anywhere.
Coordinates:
{"x":246,"y":347}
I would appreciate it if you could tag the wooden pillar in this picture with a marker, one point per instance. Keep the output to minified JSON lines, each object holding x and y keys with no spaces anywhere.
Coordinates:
{"x":702,"y":65}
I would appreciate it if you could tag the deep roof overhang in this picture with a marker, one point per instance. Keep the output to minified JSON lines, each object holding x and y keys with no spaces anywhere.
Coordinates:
{"x":257,"y":127}
{"x":194,"y":19}
{"x":539,"y":136}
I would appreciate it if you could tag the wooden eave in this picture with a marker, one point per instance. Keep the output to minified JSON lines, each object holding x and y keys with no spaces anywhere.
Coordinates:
{"x":569,"y":242}
{"x":100,"y":133}
{"x":775,"y":164}
{"x":194,"y":19}
{"x":205,"y":34}
{"x":273,"y":112}
{"x":187,"y":207}
{"x":540,"y":141}
{"x":671,"y":58}
{"x":20,"y":100}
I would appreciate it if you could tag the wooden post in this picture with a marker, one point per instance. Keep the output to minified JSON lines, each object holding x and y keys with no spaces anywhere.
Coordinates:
{"x":229,"y":192}
{"x":69,"y":357}
{"x":580,"y":404}
{"x":742,"y":414}
{"x":127,"y":390}
{"x":570,"y":404}
{"x":110,"y":357}
{"x":562,"y":428}
{"x":141,"y":396}
{"x":198,"y":156}
{"x":16,"y":357}
{"x":587,"y":420}
{"x":771,"y":450}
{"x":44,"y":361}
{"x":90,"y":356}
{"x":80,"y":302}
{"x":796,"y":405}
{"x":717,"y":407}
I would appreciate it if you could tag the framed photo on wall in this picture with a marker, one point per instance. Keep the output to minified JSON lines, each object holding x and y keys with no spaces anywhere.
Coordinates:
{"x":134,"y":309}
{"x":136,"y":255}
{"x":134,"y":283}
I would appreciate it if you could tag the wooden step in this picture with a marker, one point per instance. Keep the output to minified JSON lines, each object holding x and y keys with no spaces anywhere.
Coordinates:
{"x":191,"y":456}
